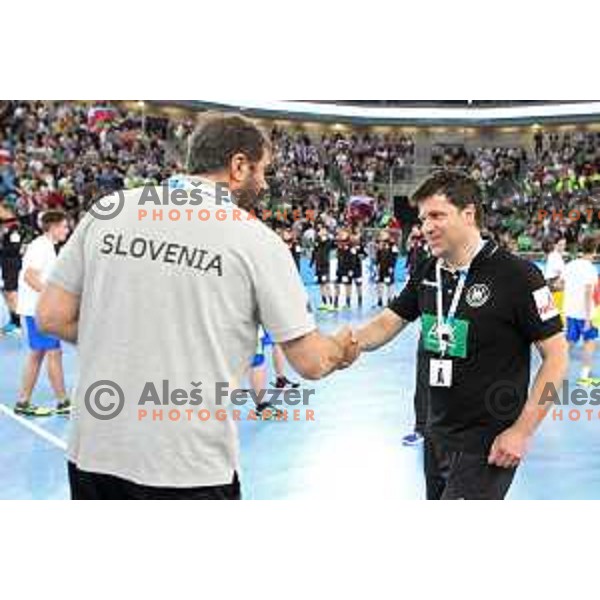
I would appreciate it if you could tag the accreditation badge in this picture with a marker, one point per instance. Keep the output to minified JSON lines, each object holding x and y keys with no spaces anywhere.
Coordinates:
{"x":440,"y":373}
{"x":455,"y":339}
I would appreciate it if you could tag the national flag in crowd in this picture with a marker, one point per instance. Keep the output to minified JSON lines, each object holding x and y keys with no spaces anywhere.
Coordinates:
{"x":100,"y":117}
{"x":5,"y":156}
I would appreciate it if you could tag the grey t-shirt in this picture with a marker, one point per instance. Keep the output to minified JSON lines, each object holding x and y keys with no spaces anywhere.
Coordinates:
{"x":179,"y":301}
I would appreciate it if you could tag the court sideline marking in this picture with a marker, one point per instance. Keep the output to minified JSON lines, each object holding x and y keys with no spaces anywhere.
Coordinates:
{"x":49,"y":437}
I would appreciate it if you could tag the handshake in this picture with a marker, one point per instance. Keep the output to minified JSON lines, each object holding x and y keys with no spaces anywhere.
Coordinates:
{"x":348,"y":347}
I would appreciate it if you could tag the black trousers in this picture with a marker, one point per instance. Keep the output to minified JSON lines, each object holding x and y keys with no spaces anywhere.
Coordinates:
{"x":459,"y":475}
{"x":10,"y":267}
{"x":97,"y":486}
{"x":421,"y":399}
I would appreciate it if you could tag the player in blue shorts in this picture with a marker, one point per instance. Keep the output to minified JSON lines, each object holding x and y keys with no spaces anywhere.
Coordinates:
{"x":258,"y":371}
{"x":578,"y":302}
{"x":38,"y":262}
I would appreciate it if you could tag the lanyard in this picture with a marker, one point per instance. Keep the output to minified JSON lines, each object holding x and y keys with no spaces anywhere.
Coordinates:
{"x":444,"y":326}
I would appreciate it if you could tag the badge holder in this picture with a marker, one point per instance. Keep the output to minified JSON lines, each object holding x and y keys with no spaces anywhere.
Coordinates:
{"x":440,"y":369}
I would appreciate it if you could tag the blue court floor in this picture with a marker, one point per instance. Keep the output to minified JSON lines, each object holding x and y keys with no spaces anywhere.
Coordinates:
{"x":353,"y":448}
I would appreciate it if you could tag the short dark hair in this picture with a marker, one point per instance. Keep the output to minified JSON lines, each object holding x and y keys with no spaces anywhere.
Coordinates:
{"x":548,"y":245}
{"x":220,"y":137}
{"x":52,"y":217}
{"x":589,"y":244}
{"x":460,"y":190}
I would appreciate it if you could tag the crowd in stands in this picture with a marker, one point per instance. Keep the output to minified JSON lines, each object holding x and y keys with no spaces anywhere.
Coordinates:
{"x":369,"y":158}
{"x":315,"y":174}
{"x":64,"y":154}
{"x":530,"y":192}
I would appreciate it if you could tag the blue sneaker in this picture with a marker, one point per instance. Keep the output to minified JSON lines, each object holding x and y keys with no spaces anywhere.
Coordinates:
{"x":12,"y":330}
{"x":412,"y":439}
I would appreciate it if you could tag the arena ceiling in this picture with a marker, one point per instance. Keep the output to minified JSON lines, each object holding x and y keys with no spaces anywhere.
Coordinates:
{"x":460,"y":113}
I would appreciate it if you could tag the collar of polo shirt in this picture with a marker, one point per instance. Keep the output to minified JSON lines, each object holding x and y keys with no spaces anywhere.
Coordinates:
{"x":207,"y":187}
{"x":456,"y":269}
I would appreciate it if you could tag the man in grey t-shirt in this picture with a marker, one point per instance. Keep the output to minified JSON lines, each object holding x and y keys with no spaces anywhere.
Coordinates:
{"x":165,"y":309}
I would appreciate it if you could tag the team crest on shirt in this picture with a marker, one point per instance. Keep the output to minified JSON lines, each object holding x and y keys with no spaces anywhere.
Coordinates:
{"x":478,"y":295}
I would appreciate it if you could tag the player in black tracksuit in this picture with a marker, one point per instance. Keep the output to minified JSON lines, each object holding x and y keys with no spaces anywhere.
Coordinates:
{"x":320,"y":261}
{"x":359,"y":253}
{"x":345,"y":267}
{"x":11,"y":242}
{"x":289,"y":237}
{"x":416,"y":250}
{"x":386,"y":257}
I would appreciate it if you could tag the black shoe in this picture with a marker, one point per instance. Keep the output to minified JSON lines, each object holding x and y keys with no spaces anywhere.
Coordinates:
{"x":30,"y":410}
{"x":283,"y":382}
{"x":64,"y":407}
{"x":380,"y":303}
{"x":267,"y":412}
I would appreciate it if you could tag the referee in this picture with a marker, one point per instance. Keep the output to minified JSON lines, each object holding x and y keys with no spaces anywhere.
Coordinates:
{"x":142,"y":316}
{"x":481,"y":308}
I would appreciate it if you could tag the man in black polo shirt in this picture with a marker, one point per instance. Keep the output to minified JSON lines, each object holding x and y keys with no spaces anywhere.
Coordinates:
{"x":481,"y":308}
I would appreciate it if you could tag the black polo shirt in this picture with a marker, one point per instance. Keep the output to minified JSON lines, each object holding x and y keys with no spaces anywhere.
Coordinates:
{"x":505,"y":306}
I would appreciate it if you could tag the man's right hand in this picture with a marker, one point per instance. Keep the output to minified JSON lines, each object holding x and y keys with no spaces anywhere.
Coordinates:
{"x":346,"y":340}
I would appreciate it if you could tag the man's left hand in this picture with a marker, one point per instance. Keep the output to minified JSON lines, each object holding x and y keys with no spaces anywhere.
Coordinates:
{"x":509,"y":448}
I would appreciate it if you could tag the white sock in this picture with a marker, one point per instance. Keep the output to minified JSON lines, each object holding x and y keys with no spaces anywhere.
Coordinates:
{"x":585,"y":372}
